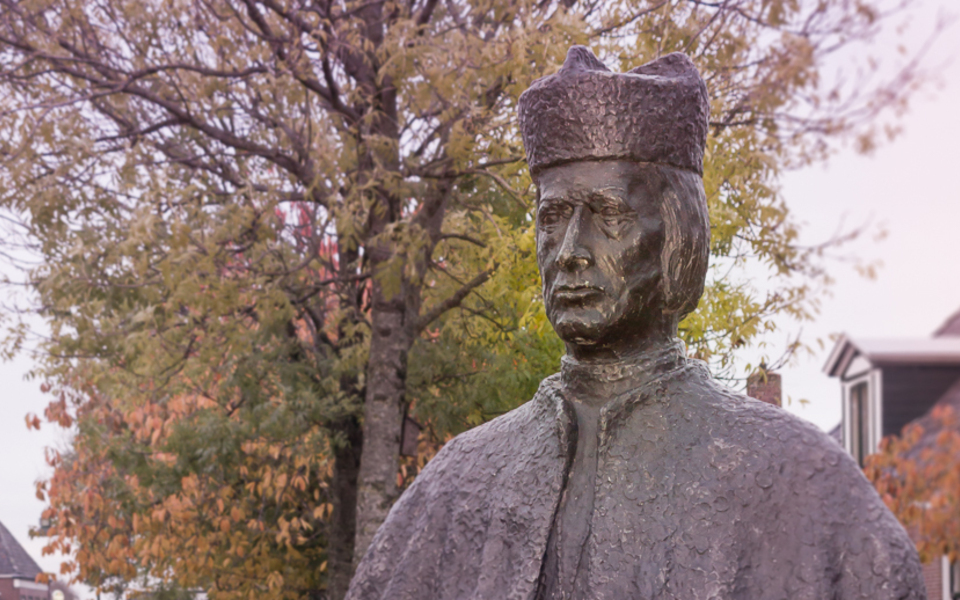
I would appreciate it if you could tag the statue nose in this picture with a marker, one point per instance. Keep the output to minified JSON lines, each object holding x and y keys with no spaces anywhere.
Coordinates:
{"x":573,"y":255}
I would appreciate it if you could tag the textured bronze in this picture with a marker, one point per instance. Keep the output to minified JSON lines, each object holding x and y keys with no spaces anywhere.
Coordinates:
{"x":631,"y":474}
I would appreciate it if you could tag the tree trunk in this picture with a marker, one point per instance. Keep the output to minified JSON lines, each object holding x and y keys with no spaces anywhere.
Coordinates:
{"x":390,"y":341}
{"x":395,"y":327}
{"x":393,"y":318}
{"x":343,"y":493}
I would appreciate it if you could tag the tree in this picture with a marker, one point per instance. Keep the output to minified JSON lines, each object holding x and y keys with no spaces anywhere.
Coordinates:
{"x":918,"y":476}
{"x":270,"y":228}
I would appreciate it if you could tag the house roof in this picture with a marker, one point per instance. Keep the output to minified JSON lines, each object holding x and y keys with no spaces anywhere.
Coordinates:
{"x":14,"y":560}
{"x":944,"y":350}
{"x":951,"y":327}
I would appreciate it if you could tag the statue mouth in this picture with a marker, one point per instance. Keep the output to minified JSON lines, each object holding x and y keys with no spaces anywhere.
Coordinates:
{"x":576,"y":292}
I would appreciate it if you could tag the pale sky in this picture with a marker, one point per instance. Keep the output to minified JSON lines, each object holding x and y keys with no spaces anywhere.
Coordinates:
{"x":910,"y":186}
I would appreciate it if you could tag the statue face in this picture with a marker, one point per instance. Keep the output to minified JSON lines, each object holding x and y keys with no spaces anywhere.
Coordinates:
{"x":599,"y":236}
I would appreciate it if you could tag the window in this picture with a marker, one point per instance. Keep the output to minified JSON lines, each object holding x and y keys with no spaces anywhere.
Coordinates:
{"x":859,"y":423}
{"x":954,"y":588}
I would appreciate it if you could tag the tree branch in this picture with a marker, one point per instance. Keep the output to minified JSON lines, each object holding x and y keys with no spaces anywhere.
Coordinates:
{"x":454,"y":300}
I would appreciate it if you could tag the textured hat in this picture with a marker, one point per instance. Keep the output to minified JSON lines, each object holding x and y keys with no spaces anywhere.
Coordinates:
{"x":655,"y":113}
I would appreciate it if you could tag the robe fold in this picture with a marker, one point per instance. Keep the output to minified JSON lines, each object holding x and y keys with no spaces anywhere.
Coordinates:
{"x":700,"y":493}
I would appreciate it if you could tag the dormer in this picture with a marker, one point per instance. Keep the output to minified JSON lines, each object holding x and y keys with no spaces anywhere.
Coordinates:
{"x":888,"y":383}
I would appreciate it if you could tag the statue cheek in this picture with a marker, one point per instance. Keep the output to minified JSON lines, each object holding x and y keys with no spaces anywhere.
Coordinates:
{"x":642,"y":268}
{"x":546,"y":253}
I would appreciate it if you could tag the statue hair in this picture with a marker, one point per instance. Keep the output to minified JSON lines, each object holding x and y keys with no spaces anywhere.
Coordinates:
{"x":686,"y":244}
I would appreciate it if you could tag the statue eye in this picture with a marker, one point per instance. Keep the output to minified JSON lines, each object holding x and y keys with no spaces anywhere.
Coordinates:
{"x":609,"y":208}
{"x":610,"y":212}
{"x":549,"y":220}
{"x":551,"y":216}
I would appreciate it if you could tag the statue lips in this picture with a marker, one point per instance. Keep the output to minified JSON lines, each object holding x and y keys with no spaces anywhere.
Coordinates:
{"x":578,"y":293}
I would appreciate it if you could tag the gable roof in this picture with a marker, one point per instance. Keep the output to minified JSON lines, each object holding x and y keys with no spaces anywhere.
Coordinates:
{"x":943,"y":350}
{"x":14,"y":560}
{"x":951,"y":327}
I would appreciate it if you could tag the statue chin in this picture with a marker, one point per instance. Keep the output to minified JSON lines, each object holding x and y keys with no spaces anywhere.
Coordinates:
{"x":608,"y":323}
{"x":582,"y":326}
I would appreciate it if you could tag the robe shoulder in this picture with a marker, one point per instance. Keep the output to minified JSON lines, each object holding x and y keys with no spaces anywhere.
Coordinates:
{"x":446,"y":536}
{"x":805,"y":491}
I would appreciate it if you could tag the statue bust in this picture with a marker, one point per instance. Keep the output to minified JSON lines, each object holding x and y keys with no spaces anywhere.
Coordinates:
{"x":631,"y":474}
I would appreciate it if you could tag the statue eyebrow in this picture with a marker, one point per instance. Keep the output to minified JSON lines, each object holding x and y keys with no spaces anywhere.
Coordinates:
{"x":554,"y":199}
{"x":605,"y":197}
{"x":605,"y":194}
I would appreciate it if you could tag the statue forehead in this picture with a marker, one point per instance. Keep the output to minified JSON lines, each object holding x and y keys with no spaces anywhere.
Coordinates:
{"x":579,"y":178}
{"x":588,"y":171}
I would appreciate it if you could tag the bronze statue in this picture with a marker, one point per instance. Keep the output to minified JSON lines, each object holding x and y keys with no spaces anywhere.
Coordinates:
{"x":631,"y":474}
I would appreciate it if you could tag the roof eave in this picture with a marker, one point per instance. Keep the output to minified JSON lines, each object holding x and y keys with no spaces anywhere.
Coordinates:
{"x":840,"y":356}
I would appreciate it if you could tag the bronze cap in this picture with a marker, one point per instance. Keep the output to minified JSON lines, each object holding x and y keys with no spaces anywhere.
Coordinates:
{"x":654,"y":113}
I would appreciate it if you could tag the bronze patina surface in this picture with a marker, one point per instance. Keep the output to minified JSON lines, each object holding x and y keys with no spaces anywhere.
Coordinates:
{"x":631,"y":474}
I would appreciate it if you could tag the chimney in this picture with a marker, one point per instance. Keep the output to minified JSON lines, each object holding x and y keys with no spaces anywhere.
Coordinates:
{"x":764,"y":386}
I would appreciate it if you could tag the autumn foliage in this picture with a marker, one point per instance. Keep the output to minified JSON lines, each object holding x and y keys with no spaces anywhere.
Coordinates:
{"x":918,"y":477}
{"x":195,"y":490}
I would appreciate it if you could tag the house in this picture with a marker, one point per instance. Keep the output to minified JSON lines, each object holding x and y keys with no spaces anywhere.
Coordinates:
{"x":887,"y":384}
{"x":18,"y":572}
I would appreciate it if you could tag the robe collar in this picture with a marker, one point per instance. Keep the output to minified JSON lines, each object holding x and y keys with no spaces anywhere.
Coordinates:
{"x":618,"y":385}
{"x":602,"y":382}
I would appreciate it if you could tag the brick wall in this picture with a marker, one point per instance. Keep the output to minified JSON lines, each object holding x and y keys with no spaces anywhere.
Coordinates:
{"x":8,"y":592}
{"x":933,"y":579}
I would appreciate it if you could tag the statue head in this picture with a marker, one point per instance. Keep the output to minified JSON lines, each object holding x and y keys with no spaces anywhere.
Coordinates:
{"x":622,"y":229}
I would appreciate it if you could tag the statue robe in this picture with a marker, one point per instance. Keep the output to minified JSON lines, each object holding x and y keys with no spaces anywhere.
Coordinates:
{"x":700,"y":493}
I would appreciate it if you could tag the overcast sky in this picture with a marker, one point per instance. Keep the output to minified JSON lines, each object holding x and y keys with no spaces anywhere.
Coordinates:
{"x":911,"y":186}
